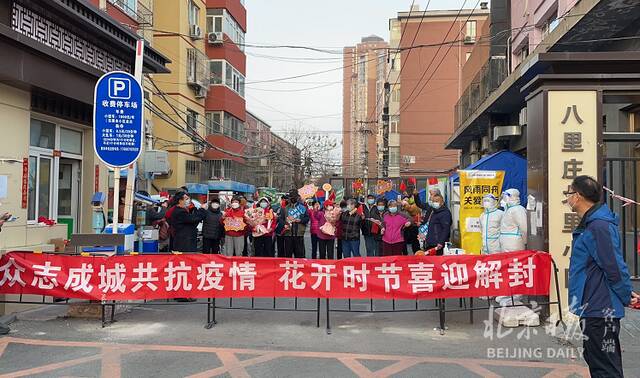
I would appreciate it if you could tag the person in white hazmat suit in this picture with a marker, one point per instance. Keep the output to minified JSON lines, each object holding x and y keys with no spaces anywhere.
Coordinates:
{"x":490,"y":222}
{"x":513,"y":232}
{"x":513,"y":228}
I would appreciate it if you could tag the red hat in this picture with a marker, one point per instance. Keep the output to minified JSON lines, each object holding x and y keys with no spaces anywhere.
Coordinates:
{"x":328,"y":203}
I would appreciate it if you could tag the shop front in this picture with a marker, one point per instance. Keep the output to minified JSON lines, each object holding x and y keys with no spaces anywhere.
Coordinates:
{"x":52,"y":55}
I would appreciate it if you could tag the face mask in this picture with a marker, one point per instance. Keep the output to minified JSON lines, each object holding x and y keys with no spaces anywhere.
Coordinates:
{"x":371,"y":201}
{"x":187,"y":202}
{"x":343,"y":209}
{"x":436,"y":205}
{"x":215,"y":206}
{"x":381,"y":208}
{"x":503,"y":204}
{"x":571,"y":206}
{"x":350,"y":207}
{"x":487,"y":204}
{"x":393,"y":210}
{"x":264,"y":205}
{"x":235,"y":205}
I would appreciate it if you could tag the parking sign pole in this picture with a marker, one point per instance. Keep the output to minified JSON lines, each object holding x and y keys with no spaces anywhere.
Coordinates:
{"x":116,"y":199}
{"x":132,"y":172}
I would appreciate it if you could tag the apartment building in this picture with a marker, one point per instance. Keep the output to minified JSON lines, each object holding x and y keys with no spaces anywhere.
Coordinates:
{"x":179,"y":98}
{"x":363,"y":100}
{"x":427,"y":52}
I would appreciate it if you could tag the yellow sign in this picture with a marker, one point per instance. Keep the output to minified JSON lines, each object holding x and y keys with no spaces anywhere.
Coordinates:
{"x":573,"y":151}
{"x":473,"y":186}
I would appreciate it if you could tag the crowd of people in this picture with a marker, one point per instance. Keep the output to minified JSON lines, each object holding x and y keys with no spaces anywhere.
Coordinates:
{"x":263,"y":229}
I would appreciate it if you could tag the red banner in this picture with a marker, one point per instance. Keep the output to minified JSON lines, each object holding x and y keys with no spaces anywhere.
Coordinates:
{"x":210,"y":276}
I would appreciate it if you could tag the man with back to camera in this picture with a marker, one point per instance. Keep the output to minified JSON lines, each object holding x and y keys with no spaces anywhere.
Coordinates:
{"x":599,"y":282}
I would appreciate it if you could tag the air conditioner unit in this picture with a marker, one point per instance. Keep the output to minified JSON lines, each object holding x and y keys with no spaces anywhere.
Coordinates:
{"x":201,"y":92}
{"x":484,"y":143}
{"x":215,"y":38}
{"x":469,"y":39}
{"x":523,"y":117}
{"x":195,"y":32}
{"x":473,"y":146}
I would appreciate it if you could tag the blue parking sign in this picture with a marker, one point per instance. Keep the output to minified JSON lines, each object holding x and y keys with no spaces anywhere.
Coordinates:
{"x":117,"y":119}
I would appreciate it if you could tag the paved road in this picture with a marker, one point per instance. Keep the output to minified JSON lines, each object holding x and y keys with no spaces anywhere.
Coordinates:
{"x":170,"y":341}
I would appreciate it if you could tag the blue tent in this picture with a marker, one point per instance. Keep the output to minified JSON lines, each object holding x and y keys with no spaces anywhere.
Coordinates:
{"x":513,"y":165}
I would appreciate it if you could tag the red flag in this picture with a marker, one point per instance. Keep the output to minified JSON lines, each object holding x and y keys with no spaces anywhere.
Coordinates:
{"x":412,"y":181}
{"x":332,"y":196}
{"x":403,"y":186}
{"x":433,"y":181}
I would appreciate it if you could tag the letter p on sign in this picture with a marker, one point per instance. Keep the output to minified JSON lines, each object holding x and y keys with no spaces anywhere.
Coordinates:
{"x":120,"y":88}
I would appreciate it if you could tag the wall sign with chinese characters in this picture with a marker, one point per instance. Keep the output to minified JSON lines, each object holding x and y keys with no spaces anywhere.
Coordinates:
{"x":572,"y":144}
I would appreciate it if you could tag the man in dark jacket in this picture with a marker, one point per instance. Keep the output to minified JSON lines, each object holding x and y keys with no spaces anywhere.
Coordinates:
{"x":439,"y":225}
{"x":293,"y":218}
{"x":212,"y":228}
{"x":599,"y":282}
{"x":350,"y":221}
{"x":184,"y":223}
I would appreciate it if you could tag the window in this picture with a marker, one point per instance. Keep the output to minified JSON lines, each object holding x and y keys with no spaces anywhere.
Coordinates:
{"x":71,"y":141}
{"x":219,"y":20}
{"x":233,"y":127}
{"x":395,"y":93}
{"x":394,"y":123}
{"x":45,"y":171}
{"x":40,"y":187}
{"x":233,"y":79}
{"x":194,"y":13}
{"x":394,"y":156}
{"x":548,"y":26}
{"x":43,"y":134}
{"x":192,"y":171}
{"x":128,"y":6}
{"x":470,"y":31}
{"x":192,"y":120}
{"x":361,"y":69}
{"x":215,"y":67}
{"x":214,"y":122}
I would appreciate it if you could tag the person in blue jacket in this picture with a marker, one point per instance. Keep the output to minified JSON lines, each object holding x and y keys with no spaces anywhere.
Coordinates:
{"x":599,"y":282}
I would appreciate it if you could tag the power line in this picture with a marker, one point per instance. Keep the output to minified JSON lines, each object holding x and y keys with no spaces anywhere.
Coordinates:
{"x":424,"y":73}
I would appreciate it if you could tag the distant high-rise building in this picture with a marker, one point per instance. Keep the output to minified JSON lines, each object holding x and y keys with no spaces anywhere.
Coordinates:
{"x":363,"y":92}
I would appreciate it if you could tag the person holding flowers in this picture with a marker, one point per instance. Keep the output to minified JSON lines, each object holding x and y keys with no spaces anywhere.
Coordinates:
{"x":263,"y":224}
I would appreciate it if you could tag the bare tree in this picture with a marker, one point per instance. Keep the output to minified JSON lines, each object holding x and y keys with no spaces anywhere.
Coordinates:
{"x":317,"y":154}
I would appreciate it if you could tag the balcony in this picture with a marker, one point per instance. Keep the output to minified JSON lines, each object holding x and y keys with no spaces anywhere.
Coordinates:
{"x":487,"y":80}
{"x":139,"y":12}
{"x":198,"y":74}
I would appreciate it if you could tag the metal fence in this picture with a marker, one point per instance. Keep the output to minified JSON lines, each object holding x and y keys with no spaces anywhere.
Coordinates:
{"x":309,"y":305}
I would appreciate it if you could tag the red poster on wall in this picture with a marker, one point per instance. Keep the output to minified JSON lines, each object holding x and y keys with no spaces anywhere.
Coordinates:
{"x":209,"y":276}
{"x":25,"y":182}
{"x":96,"y":179}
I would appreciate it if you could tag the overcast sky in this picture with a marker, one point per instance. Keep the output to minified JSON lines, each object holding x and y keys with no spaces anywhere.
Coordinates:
{"x":327,"y":24}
